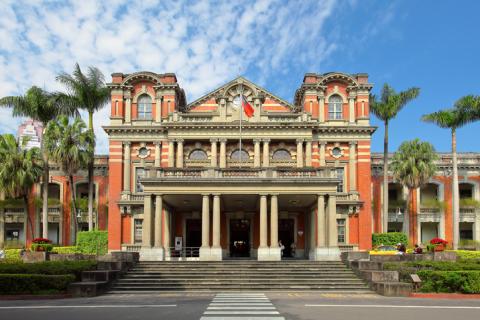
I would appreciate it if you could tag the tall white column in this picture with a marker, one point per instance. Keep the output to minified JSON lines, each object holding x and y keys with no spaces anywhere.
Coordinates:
{"x":266,"y":153}
{"x":158,"y":110}
{"x":322,"y":145}
{"x":205,"y":221}
{"x":128,"y":110}
{"x":263,"y":221}
{"x":216,"y":222}
{"x":332,"y":221}
{"x":147,"y":222}
{"x":299,"y":153}
{"x":321,"y":235}
{"x":256,"y":153}
{"x":166,"y":233}
{"x":180,"y":153}
{"x":352,"y":166}
{"x":274,"y":221}
{"x":321,"y":109}
{"x":158,"y":221}
{"x":308,"y":153}
{"x":126,"y":166}
{"x":351,"y":109}
{"x":223,"y":153}
{"x":213,"y":153}
{"x":158,"y":153}
{"x":171,"y":153}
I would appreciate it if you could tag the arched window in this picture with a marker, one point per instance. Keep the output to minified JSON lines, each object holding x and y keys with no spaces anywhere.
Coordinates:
{"x":198,"y":154}
{"x":238,"y":155}
{"x":281,"y":154}
{"x":335,"y":104}
{"x":144,"y":104}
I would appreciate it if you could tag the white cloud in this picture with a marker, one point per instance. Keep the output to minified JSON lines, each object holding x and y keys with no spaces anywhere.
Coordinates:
{"x":205,"y":44}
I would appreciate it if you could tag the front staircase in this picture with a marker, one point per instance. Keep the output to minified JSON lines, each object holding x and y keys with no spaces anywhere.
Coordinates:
{"x":328,"y":276}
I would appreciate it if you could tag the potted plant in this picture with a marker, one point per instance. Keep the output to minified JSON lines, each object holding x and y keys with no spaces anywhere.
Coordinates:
{"x":438,"y":244}
{"x":41,"y":245}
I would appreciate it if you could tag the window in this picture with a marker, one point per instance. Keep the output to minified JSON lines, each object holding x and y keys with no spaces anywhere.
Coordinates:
{"x":239,"y":155}
{"x":335,"y":106}
{"x":337,"y":152}
{"x":144,"y":107}
{"x":143,"y":152}
{"x":137,"y":231}
{"x":198,"y":154}
{"x":341,"y":230}
{"x":340,"y":174}
{"x":281,"y":154}
{"x":139,"y":173}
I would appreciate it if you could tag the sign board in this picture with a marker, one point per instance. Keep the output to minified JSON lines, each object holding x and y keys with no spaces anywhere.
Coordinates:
{"x":178,"y":243}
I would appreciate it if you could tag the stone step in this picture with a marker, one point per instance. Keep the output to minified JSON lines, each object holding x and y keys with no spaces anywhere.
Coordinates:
{"x":238,"y":287}
{"x":272,"y":281}
{"x":361,"y":291}
{"x":162,"y":277}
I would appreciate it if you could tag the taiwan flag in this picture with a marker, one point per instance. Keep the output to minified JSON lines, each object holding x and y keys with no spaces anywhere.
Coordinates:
{"x":247,"y":108}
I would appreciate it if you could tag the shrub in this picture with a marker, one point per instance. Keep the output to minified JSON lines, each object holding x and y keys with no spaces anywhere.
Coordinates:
{"x":93,"y":242}
{"x":450,"y":281}
{"x":48,"y":267}
{"x":34,"y":283}
{"x":467,"y":254}
{"x":390,"y":238}
{"x":66,"y":250}
{"x":12,"y":256}
{"x":469,"y":203}
{"x":438,"y":241}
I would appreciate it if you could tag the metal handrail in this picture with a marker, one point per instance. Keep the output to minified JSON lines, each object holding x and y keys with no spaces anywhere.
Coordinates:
{"x":185,"y":252}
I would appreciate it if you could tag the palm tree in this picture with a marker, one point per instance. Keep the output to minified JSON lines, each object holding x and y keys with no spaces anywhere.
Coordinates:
{"x":69,"y":146}
{"x":413,"y":166}
{"x":41,"y":106}
{"x":454,"y":119}
{"x":20,"y":170}
{"x":386,"y":109}
{"x":88,"y":92}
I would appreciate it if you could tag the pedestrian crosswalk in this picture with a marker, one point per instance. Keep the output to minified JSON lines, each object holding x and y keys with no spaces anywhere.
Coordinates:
{"x":241,"y":306}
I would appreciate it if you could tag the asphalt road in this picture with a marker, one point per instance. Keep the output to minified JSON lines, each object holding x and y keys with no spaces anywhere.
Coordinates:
{"x":244,"y":306}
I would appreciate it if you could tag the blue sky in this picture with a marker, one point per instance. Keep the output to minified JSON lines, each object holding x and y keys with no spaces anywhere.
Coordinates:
{"x":430,"y":44}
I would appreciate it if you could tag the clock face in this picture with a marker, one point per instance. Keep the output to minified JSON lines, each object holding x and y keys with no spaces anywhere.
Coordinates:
{"x":237,"y":102}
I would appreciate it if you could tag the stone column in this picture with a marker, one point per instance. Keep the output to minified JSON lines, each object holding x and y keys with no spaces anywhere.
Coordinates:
{"x":147,"y":222}
{"x":166,"y":233}
{"x":321,"y":235}
{"x":205,"y":221}
{"x":351,"y":109}
{"x":223,"y":153}
{"x":171,"y":153}
{"x":216,"y":222}
{"x":158,"y":153}
{"x":263,"y":221}
{"x":128,"y":110}
{"x":158,"y":110}
{"x":213,"y":153}
{"x":322,"y":145}
{"x":158,"y":221}
{"x":256,"y":153}
{"x":321,"y":109}
{"x":308,"y":153}
{"x":299,"y":153}
{"x":352,"y":166}
{"x":126,"y":166}
{"x":332,"y":221}
{"x":180,"y":153}
{"x":274,"y":221}
{"x":266,"y":153}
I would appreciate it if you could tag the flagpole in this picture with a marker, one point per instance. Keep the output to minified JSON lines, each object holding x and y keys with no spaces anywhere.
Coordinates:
{"x":241,"y":111}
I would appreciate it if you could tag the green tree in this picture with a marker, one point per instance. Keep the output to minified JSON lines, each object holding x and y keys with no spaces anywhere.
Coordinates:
{"x":69,"y":146}
{"x":454,"y":118}
{"x":20,"y":170}
{"x":90,"y":93}
{"x":386,"y":107}
{"x":41,"y":106}
{"x":413,"y":165}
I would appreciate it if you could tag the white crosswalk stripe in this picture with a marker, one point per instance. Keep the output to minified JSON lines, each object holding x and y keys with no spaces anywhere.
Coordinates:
{"x":241,"y":306}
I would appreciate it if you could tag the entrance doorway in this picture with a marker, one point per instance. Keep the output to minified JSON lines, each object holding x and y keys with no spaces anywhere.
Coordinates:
{"x":429,"y":231}
{"x":239,"y":238}
{"x":193,"y":238}
{"x":286,"y":234}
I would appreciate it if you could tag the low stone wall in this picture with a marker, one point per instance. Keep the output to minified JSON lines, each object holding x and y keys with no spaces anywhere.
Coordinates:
{"x":40,"y":256}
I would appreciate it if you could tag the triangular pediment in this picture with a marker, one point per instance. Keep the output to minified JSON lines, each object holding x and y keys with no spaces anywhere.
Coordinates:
{"x":249,"y":89}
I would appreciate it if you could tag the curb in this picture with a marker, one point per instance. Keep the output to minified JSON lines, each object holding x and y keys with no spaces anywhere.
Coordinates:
{"x":35,"y":297}
{"x":456,"y":296}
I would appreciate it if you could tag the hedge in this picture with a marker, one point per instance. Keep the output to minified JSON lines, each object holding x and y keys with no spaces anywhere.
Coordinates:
{"x":467,"y":254}
{"x":405,"y":269}
{"x":66,"y":250}
{"x":450,"y":281}
{"x":48,"y":267}
{"x":93,"y":242}
{"x":12,"y":256}
{"x":390,"y":238}
{"x":34,"y":283}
